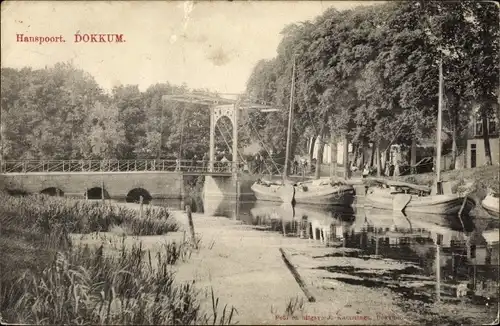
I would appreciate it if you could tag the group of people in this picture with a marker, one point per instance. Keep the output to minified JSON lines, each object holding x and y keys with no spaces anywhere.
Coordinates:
{"x":299,"y":167}
{"x":389,"y":170}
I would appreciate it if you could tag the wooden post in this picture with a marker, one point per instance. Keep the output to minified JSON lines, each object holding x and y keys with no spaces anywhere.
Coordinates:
{"x":377,"y":240}
{"x":102,"y":192}
{"x":472,"y":251}
{"x":141,"y":204}
{"x":438,"y":267}
{"x":191,"y":225}
{"x":303,"y":225}
{"x":453,"y":263}
{"x":296,"y":275}
{"x":468,"y":247}
{"x":489,"y":250}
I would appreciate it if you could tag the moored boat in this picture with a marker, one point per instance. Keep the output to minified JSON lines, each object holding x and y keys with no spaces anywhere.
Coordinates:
{"x":324,"y":192}
{"x":399,"y":198}
{"x":491,"y":204}
{"x":266,"y":190}
{"x":491,"y":236}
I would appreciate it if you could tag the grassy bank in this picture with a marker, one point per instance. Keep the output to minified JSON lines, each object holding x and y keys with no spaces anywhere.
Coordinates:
{"x":52,"y":281}
{"x":476,"y":183}
{"x":44,"y":213}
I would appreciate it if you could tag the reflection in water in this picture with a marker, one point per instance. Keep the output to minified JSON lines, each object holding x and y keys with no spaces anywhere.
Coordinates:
{"x":465,"y":256}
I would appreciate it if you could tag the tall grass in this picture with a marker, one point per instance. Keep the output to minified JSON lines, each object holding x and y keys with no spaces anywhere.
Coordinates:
{"x":46,"y":280}
{"x":44,"y":213}
{"x":85,"y":286}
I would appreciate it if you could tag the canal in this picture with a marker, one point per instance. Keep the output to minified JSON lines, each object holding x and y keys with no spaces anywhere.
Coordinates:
{"x":468,"y":262}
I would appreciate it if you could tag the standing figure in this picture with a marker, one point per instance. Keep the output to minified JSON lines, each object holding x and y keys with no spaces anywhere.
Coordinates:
{"x":366,"y":171}
{"x":193,"y":163}
{"x":204,"y":161}
{"x":295,"y":169}
{"x":225,"y":162}
{"x":177,"y":164}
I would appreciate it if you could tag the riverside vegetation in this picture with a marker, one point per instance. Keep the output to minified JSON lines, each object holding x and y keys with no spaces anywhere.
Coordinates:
{"x":52,"y":281}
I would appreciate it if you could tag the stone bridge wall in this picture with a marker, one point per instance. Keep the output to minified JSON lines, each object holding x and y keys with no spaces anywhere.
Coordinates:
{"x":116,"y":184}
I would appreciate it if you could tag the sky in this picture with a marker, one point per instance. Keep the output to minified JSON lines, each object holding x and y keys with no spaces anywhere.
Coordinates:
{"x":205,"y":44}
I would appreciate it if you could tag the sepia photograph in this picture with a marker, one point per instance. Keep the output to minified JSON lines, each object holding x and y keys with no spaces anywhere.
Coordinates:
{"x":250,"y":162}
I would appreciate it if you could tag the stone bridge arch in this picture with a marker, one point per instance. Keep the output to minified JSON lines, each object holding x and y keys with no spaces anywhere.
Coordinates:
{"x":96,"y":193}
{"x":52,"y":191}
{"x":135,"y":194}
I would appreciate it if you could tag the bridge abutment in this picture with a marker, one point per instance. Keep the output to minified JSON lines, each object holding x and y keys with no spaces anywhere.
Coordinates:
{"x":217,"y":191}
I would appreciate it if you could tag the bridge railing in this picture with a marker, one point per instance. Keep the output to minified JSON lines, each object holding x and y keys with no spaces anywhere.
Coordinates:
{"x":31,"y":166}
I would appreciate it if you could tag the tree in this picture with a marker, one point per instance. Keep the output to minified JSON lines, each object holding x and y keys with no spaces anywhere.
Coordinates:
{"x":132,"y":113}
{"x":44,"y":111}
{"x":467,"y":33}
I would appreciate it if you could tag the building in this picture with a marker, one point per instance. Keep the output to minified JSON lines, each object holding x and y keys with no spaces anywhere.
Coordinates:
{"x":475,"y":154}
{"x":327,"y":151}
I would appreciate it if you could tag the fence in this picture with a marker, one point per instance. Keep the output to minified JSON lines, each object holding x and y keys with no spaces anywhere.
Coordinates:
{"x":117,"y":166}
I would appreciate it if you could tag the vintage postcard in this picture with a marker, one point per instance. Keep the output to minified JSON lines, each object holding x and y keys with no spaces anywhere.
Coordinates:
{"x":249,"y":162}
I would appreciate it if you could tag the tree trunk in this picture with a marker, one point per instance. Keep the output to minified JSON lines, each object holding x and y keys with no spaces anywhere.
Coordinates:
{"x":486,"y":137}
{"x":346,"y":157}
{"x":319,"y":157}
{"x":454,"y":151}
{"x":333,"y":157}
{"x":311,"y":152}
{"x":377,"y":158}
{"x":454,"y":110}
{"x":372,"y":154}
{"x":387,"y":163}
{"x":356,"y":154}
{"x":363,"y":156}
{"x":413,"y":156}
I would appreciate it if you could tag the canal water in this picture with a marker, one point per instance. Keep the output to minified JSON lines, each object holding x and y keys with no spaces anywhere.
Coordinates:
{"x":465,"y":255}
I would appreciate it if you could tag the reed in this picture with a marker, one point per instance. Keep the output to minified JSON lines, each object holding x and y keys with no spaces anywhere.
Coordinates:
{"x":50,"y":281}
{"x":86,"y":286}
{"x":43,"y":213}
